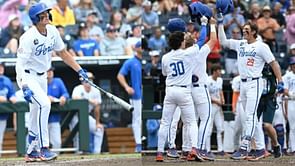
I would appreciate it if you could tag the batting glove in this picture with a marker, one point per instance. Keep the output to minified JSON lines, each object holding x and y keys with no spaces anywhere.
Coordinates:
{"x":280,"y":87}
{"x":219,"y":18}
{"x":83,"y":75}
{"x":204,"y":20}
{"x":28,"y":93}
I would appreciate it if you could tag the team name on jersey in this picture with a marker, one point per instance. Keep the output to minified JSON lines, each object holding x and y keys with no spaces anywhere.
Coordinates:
{"x":243,"y":53}
{"x":43,"y":49}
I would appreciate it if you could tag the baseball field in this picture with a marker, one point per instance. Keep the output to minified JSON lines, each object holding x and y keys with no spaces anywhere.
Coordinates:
{"x":81,"y":160}
{"x":149,"y":160}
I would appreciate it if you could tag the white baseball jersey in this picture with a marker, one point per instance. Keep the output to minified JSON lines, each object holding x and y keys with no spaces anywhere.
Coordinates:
{"x":289,"y":82}
{"x":178,"y":62}
{"x":236,"y":84}
{"x":251,"y":57}
{"x":93,"y":94}
{"x":215,"y":86}
{"x":35,"y":49}
{"x":201,"y":67}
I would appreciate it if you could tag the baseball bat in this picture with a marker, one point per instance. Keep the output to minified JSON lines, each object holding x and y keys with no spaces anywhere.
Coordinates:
{"x":116,"y":99}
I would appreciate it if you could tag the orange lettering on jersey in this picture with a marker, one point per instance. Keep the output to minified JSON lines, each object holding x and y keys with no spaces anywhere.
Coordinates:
{"x":250,"y":62}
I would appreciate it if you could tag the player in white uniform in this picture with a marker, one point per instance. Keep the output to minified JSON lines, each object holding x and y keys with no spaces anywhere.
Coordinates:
{"x":289,"y":80}
{"x":215,"y":89}
{"x":252,"y":55}
{"x":33,"y":61}
{"x":85,"y":91}
{"x":178,"y":65}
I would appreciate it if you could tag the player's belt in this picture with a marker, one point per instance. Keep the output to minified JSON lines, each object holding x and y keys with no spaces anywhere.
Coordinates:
{"x":199,"y":85}
{"x":182,"y":86}
{"x":249,"y":79}
{"x":39,"y":74}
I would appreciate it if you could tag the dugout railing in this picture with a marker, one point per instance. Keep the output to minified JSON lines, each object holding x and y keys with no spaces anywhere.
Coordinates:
{"x":72,"y":107}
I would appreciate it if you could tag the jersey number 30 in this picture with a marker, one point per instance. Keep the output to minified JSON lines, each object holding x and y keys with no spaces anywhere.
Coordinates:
{"x":178,"y":68}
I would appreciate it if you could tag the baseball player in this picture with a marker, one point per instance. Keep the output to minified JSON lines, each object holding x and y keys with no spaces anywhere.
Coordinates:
{"x":215,"y":89}
{"x":7,"y":94}
{"x":177,"y":24}
{"x":252,"y":55}
{"x":289,"y":80}
{"x":33,"y":60}
{"x":133,"y":67}
{"x":57,"y":92}
{"x":178,"y":66}
{"x":86,"y":91}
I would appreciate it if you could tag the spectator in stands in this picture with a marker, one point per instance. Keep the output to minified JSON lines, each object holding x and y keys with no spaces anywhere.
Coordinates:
{"x":85,"y":91}
{"x":231,"y":66}
{"x":105,"y":8}
{"x":132,"y":68}
{"x":233,"y":20}
{"x":285,"y":5}
{"x":7,"y":94}
{"x":67,"y":39}
{"x":240,"y":5}
{"x":95,"y":32}
{"x":57,"y":92}
{"x":254,"y":13}
{"x":134,"y":13}
{"x":278,"y":16}
{"x":85,"y":46}
{"x":49,"y":3}
{"x":261,"y":2}
{"x":114,"y":45}
{"x":157,"y":41}
{"x":149,"y":18}
{"x":162,"y":6}
{"x":11,"y":34}
{"x":134,"y":37}
{"x":290,"y":27}
{"x":85,"y":7}
{"x":62,"y":14}
{"x":119,"y":24}
{"x":193,"y":28}
{"x":10,"y":7}
{"x":154,"y":66}
{"x":180,"y":7}
{"x":267,"y":27}
{"x":26,"y":21}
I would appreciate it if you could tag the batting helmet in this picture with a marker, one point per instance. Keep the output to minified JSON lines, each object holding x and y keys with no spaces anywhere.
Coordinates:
{"x":176,"y":24}
{"x":198,"y":9}
{"x":292,"y":61}
{"x":37,"y":9}
{"x":224,"y":6}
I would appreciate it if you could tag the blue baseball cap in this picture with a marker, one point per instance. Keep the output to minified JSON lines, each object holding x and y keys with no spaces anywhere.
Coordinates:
{"x":138,"y":44}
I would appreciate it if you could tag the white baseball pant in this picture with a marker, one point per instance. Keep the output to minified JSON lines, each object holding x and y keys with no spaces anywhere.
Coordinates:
{"x":54,"y":134}
{"x":136,"y":119}
{"x":291,"y":119}
{"x":250,"y":94}
{"x":2,"y":132}
{"x":173,"y":128}
{"x":177,"y":96}
{"x":218,"y":120}
{"x":98,"y":133}
{"x":240,"y":123}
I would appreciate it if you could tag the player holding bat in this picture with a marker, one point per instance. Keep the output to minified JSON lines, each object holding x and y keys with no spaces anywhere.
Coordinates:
{"x":134,"y":89}
{"x":33,"y":61}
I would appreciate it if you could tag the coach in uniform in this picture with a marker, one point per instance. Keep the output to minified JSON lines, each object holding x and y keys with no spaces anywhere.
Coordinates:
{"x":132,"y":67}
{"x":33,"y":60}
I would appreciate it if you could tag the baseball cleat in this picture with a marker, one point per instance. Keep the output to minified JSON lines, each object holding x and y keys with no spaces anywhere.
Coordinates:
{"x":277,"y":151}
{"x":138,"y":148}
{"x":184,"y":155}
{"x":47,"y":155}
{"x":193,"y":155}
{"x":33,"y":156}
{"x":240,"y":155}
{"x":207,"y":156}
{"x":159,"y":157}
{"x":259,"y":154}
{"x":172,"y":153}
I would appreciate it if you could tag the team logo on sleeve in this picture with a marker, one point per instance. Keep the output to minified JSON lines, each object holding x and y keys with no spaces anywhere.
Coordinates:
{"x":36,"y":41}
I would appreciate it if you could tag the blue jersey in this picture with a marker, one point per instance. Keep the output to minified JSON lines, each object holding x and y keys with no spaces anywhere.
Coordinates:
{"x":132,"y":67}
{"x":56,"y":88}
{"x":87,"y":46}
{"x":7,"y":90}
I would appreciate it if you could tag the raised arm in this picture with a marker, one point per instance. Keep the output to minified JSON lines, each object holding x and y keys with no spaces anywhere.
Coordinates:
{"x":203,"y":33}
{"x":221,"y":34}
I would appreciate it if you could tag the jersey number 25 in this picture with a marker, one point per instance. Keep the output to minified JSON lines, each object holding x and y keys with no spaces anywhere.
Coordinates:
{"x":178,"y":68}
